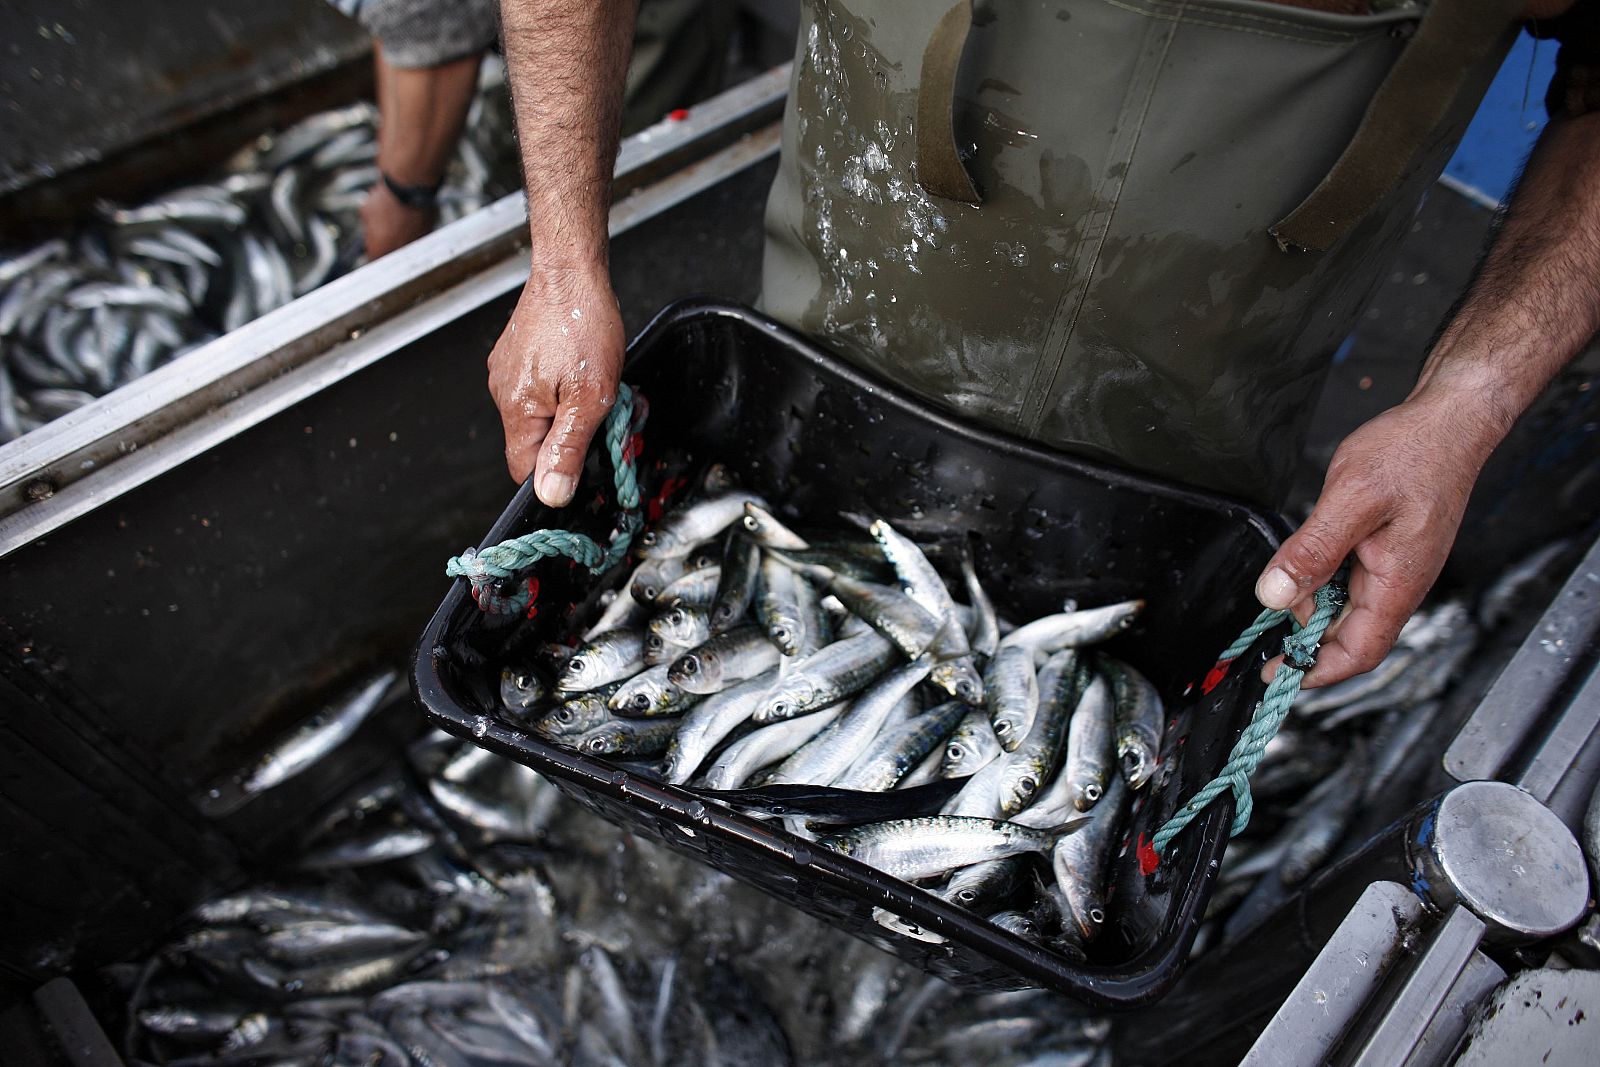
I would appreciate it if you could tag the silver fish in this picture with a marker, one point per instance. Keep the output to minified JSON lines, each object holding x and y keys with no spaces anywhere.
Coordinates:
{"x":650,"y":694}
{"x":840,"y":670}
{"x":629,"y":737}
{"x":741,"y":559}
{"x":1073,"y":629}
{"x":1027,"y":769}
{"x":1139,"y":720}
{"x":652,"y":577}
{"x":1091,"y":756}
{"x":830,"y":754}
{"x":913,"y":849}
{"x":610,"y":657}
{"x":681,"y":625}
{"x":972,"y":747}
{"x":1081,"y":862}
{"x":777,"y":606}
{"x":767,"y":531}
{"x":983,"y":629}
{"x":705,"y":726}
{"x":521,"y":688}
{"x":387,"y":843}
{"x":1012,"y":689}
{"x":575,"y":716}
{"x":324,"y":733}
{"x":769,"y":744}
{"x":317,"y":941}
{"x":897,"y":751}
{"x":724,"y":660}
{"x":982,"y":885}
{"x":695,"y":589}
{"x":679,"y":531}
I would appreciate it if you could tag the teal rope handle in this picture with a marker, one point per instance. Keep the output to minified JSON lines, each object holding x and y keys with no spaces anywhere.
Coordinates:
{"x":1299,"y":655}
{"x":488,"y":568}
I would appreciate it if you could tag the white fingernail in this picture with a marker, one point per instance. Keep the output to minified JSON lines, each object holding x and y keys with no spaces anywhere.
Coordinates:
{"x":1276,"y":589}
{"x":556,"y":488}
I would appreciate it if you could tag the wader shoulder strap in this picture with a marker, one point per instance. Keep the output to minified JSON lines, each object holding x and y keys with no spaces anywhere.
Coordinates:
{"x":939,"y":167}
{"x":1453,"y":38}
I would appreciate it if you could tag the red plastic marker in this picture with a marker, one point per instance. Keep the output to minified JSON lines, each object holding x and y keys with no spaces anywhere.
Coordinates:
{"x":678,"y":114}
{"x":1215,"y":676}
{"x":1149,"y":859}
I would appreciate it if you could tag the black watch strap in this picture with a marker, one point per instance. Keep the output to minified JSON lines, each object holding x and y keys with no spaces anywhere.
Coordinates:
{"x":413,"y":196}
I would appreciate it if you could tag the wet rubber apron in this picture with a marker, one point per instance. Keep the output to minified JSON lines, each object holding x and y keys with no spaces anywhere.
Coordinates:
{"x":1118,"y":291}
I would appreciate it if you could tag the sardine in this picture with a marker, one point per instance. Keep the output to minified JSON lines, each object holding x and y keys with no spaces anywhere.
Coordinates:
{"x":840,"y":670}
{"x":679,"y":531}
{"x":983,"y":885}
{"x":897,"y":751}
{"x":1082,"y":861}
{"x":765,"y":529}
{"x":695,"y":589}
{"x":764,"y":746}
{"x":1012,"y":689}
{"x":650,"y":694}
{"x":521,"y":688}
{"x":777,"y":606}
{"x":830,"y":753}
{"x":613,"y":656}
{"x":708,"y":723}
{"x":577,"y":715}
{"x":913,"y":849}
{"x":1091,"y":755}
{"x":683,"y":626}
{"x":641,"y":738}
{"x":1073,"y":629}
{"x":972,"y":747}
{"x":324,"y":733}
{"x":983,"y":629}
{"x":724,"y":660}
{"x":1139,"y":720}
{"x":741,"y":560}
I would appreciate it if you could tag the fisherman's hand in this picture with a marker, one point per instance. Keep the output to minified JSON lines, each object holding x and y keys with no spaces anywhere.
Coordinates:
{"x":553,"y":375}
{"x":387,"y":224}
{"x":1393,"y":499}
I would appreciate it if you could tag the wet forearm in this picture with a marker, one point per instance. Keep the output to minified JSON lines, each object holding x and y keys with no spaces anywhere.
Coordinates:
{"x":1536,"y":299}
{"x":567,"y":60}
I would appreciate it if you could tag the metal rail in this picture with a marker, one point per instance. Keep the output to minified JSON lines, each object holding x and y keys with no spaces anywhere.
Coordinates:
{"x":93,"y":454}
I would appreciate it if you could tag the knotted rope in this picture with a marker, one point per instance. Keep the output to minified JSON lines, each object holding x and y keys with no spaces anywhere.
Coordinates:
{"x":1299,"y":655}
{"x":488,"y":569}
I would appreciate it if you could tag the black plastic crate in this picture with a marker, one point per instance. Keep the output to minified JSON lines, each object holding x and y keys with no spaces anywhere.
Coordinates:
{"x":818,"y":437}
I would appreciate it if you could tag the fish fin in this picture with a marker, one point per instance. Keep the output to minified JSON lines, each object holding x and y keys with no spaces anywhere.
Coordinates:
{"x":1071,"y":826}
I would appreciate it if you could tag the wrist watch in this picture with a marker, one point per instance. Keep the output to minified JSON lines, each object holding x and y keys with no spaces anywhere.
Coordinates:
{"x":416,"y":197}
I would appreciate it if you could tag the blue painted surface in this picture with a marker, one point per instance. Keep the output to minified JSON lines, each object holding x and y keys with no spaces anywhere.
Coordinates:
{"x":1508,"y":121}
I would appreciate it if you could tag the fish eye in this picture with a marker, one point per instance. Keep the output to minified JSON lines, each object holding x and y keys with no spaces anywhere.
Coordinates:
{"x":564,"y":715}
{"x":650,"y":592}
{"x":1097,"y":915}
{"x":654,"y":641}
{"x":779,"y":707}
{"x":596,"y":744}
{"x":522,"y":681}
{"x":1027,"y":785}
{"x":967,"y":690}
{"x":1003,"y":727}
{"x":751,"y":524}
{"x":966,"y":896}
{"x":1092,"y":791}
{"x":953,"y":752}
{"x":647,"y":538}
{"x":640,"y":702}
{"x":689,"y":665}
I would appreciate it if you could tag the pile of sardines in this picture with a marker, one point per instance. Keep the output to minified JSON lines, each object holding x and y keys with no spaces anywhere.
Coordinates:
{"x":136,"y":286}
{"x":836,"y":679}
{"x":455,"y":910}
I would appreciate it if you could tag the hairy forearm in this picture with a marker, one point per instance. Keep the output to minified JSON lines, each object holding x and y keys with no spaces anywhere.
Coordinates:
{"x":1536,"y":299}
{"x":567,"y":60}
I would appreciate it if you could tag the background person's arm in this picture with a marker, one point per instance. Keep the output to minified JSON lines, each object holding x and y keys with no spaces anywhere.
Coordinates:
{"x":553,"y":373}
{"x":421,"y":112}
{"x":1398,"y":486}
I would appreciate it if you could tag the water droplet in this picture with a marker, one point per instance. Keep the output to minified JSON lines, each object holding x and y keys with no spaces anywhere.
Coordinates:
{"x":882,"y":81}
{"x":619,"y":778}
{"x":480,"y":726}
{"x":696,"y":810}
